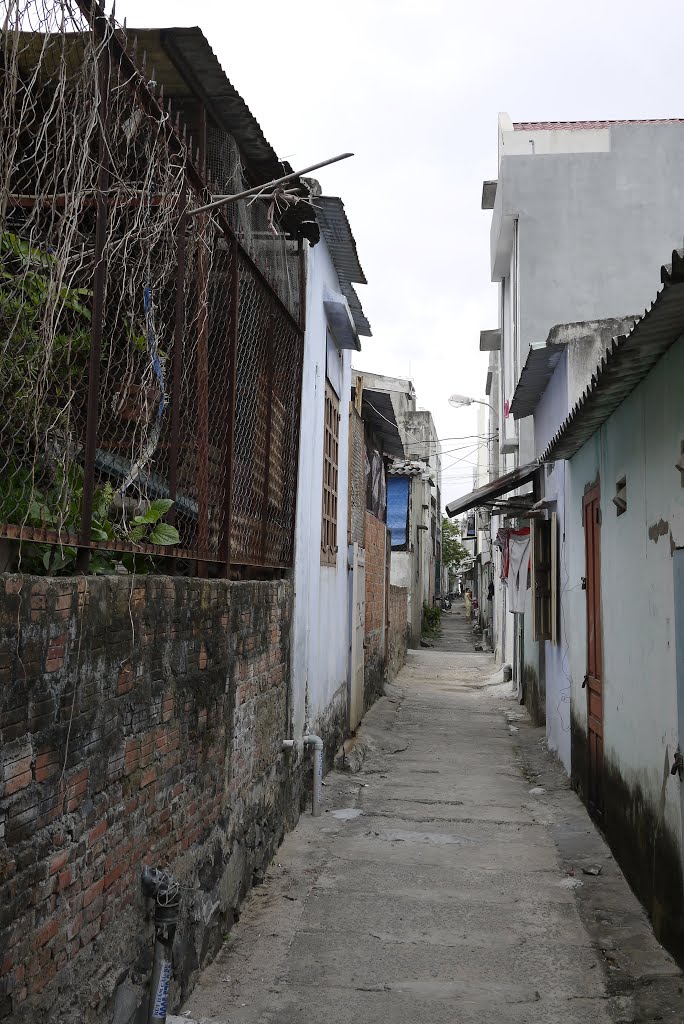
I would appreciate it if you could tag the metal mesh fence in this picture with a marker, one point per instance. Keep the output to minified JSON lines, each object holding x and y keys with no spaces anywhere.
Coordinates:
{"x":150,"y":364}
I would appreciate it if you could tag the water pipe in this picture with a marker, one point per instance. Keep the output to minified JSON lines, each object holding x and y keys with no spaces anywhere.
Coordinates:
{"x":165,"y":892}
{"x":317,"y":743}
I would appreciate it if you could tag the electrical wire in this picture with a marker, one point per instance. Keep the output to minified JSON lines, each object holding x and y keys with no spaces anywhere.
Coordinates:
{"x":419,"y":440}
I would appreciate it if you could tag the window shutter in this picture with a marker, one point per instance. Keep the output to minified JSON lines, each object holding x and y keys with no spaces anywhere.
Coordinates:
{"x":555,"y":576}
{"x":540,"y":562}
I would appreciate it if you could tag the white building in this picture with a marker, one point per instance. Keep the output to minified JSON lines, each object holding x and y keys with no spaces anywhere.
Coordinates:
{"x":620,"y":592}
{"x":321,"y":628}
{"x":580,"y":213}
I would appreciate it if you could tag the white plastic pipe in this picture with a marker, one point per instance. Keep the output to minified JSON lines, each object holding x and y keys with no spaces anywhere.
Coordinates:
{"x":317,"y":743}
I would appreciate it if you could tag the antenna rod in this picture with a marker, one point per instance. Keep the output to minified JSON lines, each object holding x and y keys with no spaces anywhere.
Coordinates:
{"x":268,"y":184}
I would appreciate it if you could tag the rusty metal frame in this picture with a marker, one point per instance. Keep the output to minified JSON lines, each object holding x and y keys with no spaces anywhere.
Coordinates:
{"x":99,"y":281}
{"x":115,"y":57}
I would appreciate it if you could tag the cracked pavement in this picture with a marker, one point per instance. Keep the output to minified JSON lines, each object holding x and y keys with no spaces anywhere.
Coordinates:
{"x":444,"y":880}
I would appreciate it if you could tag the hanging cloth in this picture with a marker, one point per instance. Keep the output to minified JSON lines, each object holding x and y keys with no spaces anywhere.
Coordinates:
{"x":518,"y":566}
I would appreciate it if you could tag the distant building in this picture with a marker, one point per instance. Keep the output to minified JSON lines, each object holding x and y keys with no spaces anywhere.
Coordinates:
{"x":414,"y":495}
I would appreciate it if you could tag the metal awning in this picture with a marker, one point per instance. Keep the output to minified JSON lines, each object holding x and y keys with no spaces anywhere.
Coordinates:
{"x":490,"y":341}
{"x":543,"y":358}
{"x":341,"y":322}
{"x":494,"y":489}
{"x":541,"y":361}
{"x":628,"y":360}
{"x":378,"y":412}
{"x":488,"y":194}
{"x":336,"y":230}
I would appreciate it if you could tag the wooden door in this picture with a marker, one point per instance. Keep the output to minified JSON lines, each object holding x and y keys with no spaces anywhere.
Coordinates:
{"x":594,"y":676}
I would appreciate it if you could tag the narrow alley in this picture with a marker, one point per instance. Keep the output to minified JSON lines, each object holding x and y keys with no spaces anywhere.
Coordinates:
{"x":456,"y":632}
{"x":454,"y":876}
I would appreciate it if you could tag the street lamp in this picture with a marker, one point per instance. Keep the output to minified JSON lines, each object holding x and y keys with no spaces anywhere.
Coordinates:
{"x":459,"y":401}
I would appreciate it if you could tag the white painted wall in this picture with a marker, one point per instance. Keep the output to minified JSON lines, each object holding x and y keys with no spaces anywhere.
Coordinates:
{"x":641,"y":440}
{"x":320,"y":659}
{"x":586,"y":343}
{"x":551,"y":411}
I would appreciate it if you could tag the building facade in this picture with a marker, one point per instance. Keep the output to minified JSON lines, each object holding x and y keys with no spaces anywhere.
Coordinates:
{"x":580,"y":211}
{"x":621,"y":598}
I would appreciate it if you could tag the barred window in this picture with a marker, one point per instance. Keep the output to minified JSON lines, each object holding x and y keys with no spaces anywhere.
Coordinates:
{"x":331,"y":445}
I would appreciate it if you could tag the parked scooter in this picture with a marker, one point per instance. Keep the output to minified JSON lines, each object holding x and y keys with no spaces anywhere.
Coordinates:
{"x":446,"y":603}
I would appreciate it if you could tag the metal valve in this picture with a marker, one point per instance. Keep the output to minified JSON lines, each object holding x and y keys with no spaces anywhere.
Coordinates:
{"x":678,"y":764}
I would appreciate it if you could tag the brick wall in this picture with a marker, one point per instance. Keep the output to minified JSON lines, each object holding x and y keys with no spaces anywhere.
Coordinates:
{"x":140,"y":722}
{"x":398,"y":630}
{"x":357,"y":478}
{"x":374,"y":644}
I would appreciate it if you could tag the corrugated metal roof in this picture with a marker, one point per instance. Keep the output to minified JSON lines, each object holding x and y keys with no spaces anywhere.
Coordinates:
{"x":628,"y":360}
{"x":569,"y":126}
{"x":339,"y":239}
{"x":494,"y":489}
{"x":185,"y":63}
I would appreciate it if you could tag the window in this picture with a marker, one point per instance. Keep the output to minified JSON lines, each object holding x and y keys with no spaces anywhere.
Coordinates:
{"x":331,"y":445}
{"x":544,"y":572}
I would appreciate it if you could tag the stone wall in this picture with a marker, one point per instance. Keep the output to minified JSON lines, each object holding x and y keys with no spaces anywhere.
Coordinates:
{"x":140,"y":722}
{"x":376,"y":578}
{"x":398,"y":630}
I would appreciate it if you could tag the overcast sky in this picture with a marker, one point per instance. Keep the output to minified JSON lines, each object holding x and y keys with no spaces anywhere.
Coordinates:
{"x":413,"y":88}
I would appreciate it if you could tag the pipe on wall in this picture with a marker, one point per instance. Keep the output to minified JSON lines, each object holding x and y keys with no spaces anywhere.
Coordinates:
{"x":317,"y":743}
{"x":165,"y":891}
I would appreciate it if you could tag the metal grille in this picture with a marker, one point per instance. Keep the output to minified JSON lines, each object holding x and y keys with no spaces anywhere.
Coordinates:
{"x":331,"y":455}
{"x":150,"y":367}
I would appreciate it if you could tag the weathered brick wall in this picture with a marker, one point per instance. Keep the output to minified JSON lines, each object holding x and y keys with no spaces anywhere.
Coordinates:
{"x":357,"y":478}
{"x":398,"y":630}
{"x":140,"y":722}
{"x":374,"y":644}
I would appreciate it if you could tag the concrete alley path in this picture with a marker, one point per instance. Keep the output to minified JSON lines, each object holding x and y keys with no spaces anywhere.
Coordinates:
{"x":443,"y":883}
{"x":455,"y":631}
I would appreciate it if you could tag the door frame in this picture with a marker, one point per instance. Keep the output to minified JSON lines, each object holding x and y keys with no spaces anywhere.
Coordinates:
{"x":594,"y":684}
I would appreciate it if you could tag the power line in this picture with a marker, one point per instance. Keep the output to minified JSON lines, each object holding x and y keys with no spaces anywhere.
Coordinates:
{"x":419,"y":440}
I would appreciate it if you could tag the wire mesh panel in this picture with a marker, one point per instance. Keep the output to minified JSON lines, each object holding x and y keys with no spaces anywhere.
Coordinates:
{"x":266,"y":425}
{"x":49,"y":128}
{"x":150,"y":370}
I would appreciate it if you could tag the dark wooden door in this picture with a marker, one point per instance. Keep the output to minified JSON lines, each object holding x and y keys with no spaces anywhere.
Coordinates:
{"x":594,"y":676}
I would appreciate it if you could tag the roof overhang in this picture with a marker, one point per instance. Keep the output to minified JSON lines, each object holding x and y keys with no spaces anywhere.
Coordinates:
{"x":627,"y":361}
{"x":490,"y":341}
{"x":378,"y":412}
{"x":541,"y":361}
{"x":186,"y":66}
{"x":336,"y":231}
{"x":494,"y":489}
{"x":488,"y":194}
{"x":593,"y":337}
{"x":341,"y":322}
